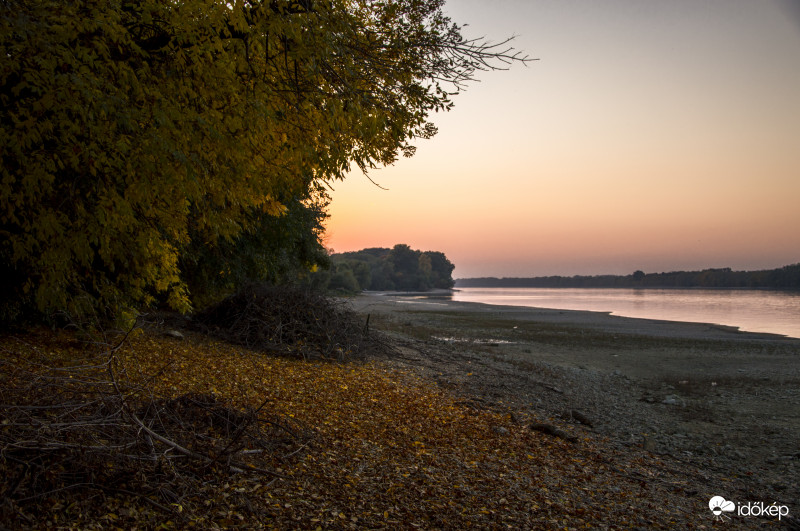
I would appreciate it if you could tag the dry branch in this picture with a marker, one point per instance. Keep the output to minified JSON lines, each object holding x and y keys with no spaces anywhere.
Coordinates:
{"x":84,"y":427}
{"x":290,"y":321}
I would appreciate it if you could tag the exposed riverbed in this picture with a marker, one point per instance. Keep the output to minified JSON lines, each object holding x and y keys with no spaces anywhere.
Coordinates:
{"x":725,"y":401}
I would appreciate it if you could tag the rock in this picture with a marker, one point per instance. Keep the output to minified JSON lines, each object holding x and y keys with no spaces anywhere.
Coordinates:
{"x":672,"y":400}
{"x":173,"y":333}
{"x":574,"y":414}
{"x":649,"y":444}
{"x":647,"y":397}
{"x":552,"y":430}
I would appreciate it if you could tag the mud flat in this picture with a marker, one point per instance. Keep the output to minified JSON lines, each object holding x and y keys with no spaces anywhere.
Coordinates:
{"x":722,"y":401}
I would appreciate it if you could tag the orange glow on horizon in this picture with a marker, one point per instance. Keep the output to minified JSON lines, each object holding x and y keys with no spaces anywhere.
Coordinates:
{"x":625,"y":147}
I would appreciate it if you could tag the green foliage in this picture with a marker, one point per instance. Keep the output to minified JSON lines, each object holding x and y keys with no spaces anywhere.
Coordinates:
{"x":276,"y":249}
{"x":343,"y":280}
{"x":405,"y":264}
{"x":400,"y":268}
{"x":441,"y":270}
{"x":146,"y":143}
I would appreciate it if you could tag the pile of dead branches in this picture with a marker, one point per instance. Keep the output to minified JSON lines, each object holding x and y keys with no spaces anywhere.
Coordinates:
{"x":66,"y":432}
{"x":290,"y":321}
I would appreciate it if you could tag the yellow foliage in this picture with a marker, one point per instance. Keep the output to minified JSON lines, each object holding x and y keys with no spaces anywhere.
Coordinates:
{"x":389,"y":450}
{"x":132,"y":129}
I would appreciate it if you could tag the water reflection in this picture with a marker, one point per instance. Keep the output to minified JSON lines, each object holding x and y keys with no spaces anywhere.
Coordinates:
{"x":776,"y":312}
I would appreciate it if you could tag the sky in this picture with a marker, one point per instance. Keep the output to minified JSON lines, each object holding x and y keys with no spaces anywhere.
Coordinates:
{"x":648,"y":135}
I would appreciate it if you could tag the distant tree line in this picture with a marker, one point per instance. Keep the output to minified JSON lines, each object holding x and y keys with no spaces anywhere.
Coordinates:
{"x":787,"y":277}
{"x":400,"y":268}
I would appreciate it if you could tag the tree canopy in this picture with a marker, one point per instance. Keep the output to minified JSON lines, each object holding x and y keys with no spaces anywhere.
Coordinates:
{"x":399,"y":268}
{"x":139,"y":137}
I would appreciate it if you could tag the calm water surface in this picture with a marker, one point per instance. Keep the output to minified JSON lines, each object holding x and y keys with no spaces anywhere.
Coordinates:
{"x":776,"y":312}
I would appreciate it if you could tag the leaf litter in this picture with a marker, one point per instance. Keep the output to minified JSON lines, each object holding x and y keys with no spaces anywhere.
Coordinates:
{"x":283,"y":442}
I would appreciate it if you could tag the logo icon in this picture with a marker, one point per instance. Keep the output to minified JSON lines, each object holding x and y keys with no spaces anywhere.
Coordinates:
{"x":719,"y":506}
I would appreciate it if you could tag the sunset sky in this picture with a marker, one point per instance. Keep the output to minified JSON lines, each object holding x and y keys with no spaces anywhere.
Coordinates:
{"x":650,"y":135}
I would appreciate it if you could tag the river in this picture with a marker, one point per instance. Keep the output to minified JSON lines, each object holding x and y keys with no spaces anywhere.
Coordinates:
{"x":776,"y":312}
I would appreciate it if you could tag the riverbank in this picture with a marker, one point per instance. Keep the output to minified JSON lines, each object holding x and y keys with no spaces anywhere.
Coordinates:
{"x":725,"y":401}
{"x":364,"y":444}
{"x":469,"y":416}
{"x":761,"y":311}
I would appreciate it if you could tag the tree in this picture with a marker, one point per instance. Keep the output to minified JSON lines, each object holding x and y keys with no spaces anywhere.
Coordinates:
{"x":140,"y":136}
{"x":383,"y":276}
{"x":441,"y":270}
{"x":398,"y":268}
{"x":405,"y":264}
{"x":424,"y":272}
{"x":277,"y":249}
{"x":363,"y":274}
{"x":343,"y":279}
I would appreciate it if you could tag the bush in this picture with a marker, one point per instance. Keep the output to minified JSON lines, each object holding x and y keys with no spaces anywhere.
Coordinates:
{"x":290,"y":321}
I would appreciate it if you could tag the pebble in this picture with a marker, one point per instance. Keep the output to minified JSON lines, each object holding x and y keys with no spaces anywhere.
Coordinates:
{"x":672,"y":400}
{"x":649,"y":444}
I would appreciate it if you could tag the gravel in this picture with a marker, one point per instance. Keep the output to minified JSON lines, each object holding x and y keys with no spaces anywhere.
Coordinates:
{"x":724,"y":402}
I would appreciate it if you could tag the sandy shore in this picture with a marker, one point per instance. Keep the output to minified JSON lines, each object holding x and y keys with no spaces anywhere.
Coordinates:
{"x":725,"y":401}
{"x":588,"y":319}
